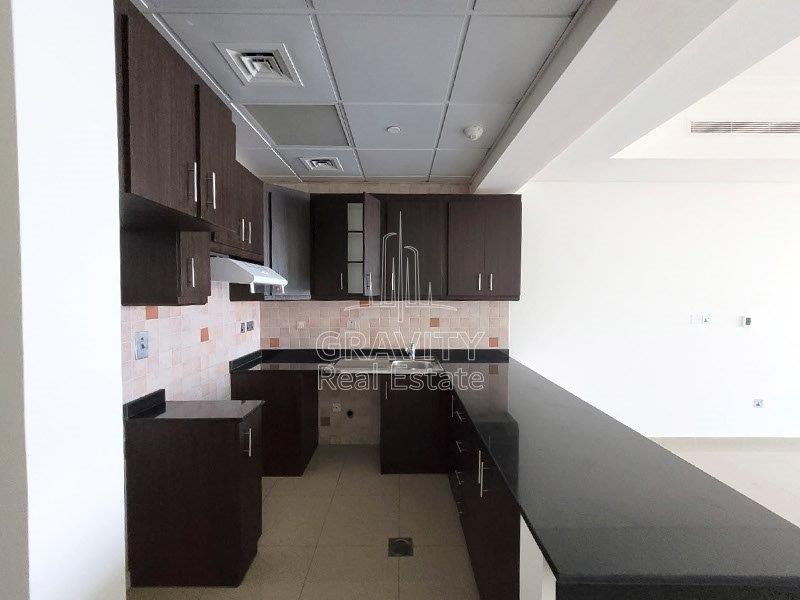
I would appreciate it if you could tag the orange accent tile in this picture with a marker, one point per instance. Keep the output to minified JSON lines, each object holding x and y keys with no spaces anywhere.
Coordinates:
{"x":151,"y":312}
{"x":204,"y":334}
{"x":434,"y":321}
{"x":363,"y":302}
{"x":274,"y":342}
{"x":494,"y":342}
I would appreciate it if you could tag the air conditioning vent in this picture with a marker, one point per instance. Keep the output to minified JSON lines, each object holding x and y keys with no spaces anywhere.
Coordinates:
{"x":270,"y":64}
{"x":324,"y":163}
{"x":745,"y":127}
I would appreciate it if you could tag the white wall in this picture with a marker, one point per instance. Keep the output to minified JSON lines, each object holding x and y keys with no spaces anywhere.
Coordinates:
{"x":68,"y":251}
{"x":611,"y":274}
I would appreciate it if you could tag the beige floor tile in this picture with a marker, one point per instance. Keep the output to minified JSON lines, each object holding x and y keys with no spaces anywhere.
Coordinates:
{"x":437,"y":573}
{"x":360,"y":521}
{"x":276,"y":573}
{"x":293,"y":520}
{"x":163,"y":593}
{"x":319,"y":479}
{"x":422,"y":486}
{"x":351,"y":573}
{"x":361,"y":474}
{"x":430,"y":521}
{"x":267,"y":483}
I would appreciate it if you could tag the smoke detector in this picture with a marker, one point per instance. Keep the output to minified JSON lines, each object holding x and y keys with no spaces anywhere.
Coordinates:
{"x":473,"y":132}
{"x":322,"y":163}
{"x":394,"y":129}
{"x":268,"y":64}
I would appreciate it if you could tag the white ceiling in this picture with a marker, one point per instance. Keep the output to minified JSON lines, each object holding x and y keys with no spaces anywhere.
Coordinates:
{"x":431,"y":67}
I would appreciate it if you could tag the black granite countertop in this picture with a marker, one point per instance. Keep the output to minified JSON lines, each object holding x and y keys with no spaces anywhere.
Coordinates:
{"x":607,"y":505}
{"x":155,"y":406}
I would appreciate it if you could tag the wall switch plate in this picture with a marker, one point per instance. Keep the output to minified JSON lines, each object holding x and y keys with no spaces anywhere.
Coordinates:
{"x":706,"y":319}
{"x":242,"y":327}
{"x":336,"y":407}
{"x":758,"y":403}
{"x":301,"y":324}
{"x":141,"y":344}
{"x":352,"y":323}
{"x":745,"y":321}
{"x":250,"y":325}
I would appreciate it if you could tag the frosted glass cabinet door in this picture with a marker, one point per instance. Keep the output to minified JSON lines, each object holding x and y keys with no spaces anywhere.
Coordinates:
{"x":355,"y":278}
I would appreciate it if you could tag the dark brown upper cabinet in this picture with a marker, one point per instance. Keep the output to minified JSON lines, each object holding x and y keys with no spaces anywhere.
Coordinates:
{"x":167,"y":268}
{"x":244,"y":237}
{"x":156,"y":98}
{"x":484,"y":247}
{"x":345,"y":246}
{"x":217,"y":143}
{"x":424,"y":241}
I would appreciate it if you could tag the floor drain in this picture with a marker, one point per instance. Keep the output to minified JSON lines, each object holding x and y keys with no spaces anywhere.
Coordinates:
{"x":401,"y":547}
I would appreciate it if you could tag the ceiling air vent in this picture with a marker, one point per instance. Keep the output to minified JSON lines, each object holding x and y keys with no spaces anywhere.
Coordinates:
{"x":268,"y":64}
{"x":745,"y":127}
{"x":325,"y":163}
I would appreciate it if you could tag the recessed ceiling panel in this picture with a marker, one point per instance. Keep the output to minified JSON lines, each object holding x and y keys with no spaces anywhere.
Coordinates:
{"x":561,"y":8}
{"x":395,"y":163}
{"x":299,"y":158}
{"x":228,"y":6}
{"x":408,"y":7}
{"x":457,"y":163}
{"x":492,"y":117}
{"x":391,"y":58}
{"x":300,"y":125}
{"x":207,"y":36}
{"x":262,"y":162}
{"x":502,"y":55}
{"x":418,"y":123}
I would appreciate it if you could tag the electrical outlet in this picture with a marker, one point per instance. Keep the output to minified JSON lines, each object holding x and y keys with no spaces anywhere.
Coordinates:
{"x":141,"y":341}
{"x":706,"y":319}
{"x":336,"y":407}
{"x":250,"y":325}
{"x":301,"y":324}
{"x":242,"y":327}
{"x":758,"y":403}
{"x":352,"y":324}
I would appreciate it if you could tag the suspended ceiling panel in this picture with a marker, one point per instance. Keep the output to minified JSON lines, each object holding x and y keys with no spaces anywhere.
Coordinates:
{"x":246,"y":136}
{"x":491,"y":116}
{"x":202,"y":33}
{"x":419,"y":124}
{"x":225,"y":6}
{"x":345,"y":156}
{"x":396,"y":163}
{"x":563,"y":8}
{"x":393,"y":6}
{"x":392,"y":59}
{"x":456,"y":163}
{"x":300,"y":125}
{"x":262,"y":162}
{"x":502,"y":56}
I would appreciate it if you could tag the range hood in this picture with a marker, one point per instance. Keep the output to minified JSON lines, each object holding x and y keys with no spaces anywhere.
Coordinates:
{"x":238,"y":271}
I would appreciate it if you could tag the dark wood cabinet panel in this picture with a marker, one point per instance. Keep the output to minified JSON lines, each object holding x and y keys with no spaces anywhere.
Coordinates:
{"x":193,"y":495}
{"x":413,"y":425}
{"x":156,"y":92}
{"x":465,"y":250}
{"x":503,"y":242}
{"x":424,"y":228}
{"x":329,"y":245}
{"x":290,"y":427}
{"x":165,"y":267}
{"x":217,"y":143}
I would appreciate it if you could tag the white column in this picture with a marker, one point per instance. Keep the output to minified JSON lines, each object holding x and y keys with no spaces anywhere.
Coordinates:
{"x":60,"y":380}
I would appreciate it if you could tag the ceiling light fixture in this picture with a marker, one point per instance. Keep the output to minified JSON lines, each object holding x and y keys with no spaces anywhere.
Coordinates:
{"x":394,"y":129}
{"x":473,"y":132}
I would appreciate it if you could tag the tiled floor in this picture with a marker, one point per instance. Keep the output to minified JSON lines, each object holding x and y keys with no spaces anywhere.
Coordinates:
{"x":325,"y":537}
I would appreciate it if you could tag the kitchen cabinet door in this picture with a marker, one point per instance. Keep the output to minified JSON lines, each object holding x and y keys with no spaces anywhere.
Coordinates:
{"x":465,"y":250}
{"x":424,"y":228}
{"x":156,"y":91}
{"x":217,"y":138}
{"x":255,"y":216}
{"x":195,"y":267}
{"x":503,"y":242}
{"x":250,"y":499}
{"x":328,"y":246}
{"x":372,"y":246}
{"x":290,"y":242}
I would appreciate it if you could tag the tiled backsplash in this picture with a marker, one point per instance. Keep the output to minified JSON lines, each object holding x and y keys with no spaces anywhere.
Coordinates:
{"x":190,"y":347}
{"x":299,"y":324}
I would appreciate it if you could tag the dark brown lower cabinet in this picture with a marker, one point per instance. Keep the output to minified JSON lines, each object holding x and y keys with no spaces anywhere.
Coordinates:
{"x":290,"y":432}
{"x":193,"y":493}
{"x":489,"y":513}
{"x":413,"y":425}
{"x":165,"y":267}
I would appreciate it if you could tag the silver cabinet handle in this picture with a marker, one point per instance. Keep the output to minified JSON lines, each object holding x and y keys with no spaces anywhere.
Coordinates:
{"x":250,"y":441}
{"x":480,"y":473}
{"x":191,"y":272}
{"x":459,"y":416}
{"x":369,"y":279}
{"x":385,"y":390}
{"x":491,"y":282}
{"x":341,"y":281}
{"x":213,"y":180}
{"x":480,"y":277}
{"x":242,"y":228}
{"x":458,"y":477}
{"x":250,"y":232}
{"x":452,"y":405}
{"x":430,"y":290}
{"x":193,"y":173}
{"x":459,"y":447}
{"x":393,"y":278}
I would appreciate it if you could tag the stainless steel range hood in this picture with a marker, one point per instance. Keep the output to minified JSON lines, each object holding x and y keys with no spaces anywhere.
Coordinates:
{"x":238,"y":271}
